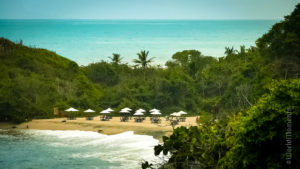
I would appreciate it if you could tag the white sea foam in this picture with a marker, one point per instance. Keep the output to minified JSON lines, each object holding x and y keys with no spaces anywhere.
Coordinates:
{"x":126,"y":149}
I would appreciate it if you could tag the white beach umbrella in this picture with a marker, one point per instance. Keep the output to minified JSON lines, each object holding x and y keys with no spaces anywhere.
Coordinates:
{"x":71,"y":109}
{"x":182,"y":112}
{"x":126,"y":108}
{"x":141,"y":110}
{"x":153,"y":110}
{"x":124,"y":111}
{"x":104,"y":112}
{"x":172,"y":114}
{"x":109,"y":110}
{"x":138,"y":114}
{"x":89,"y":111}
{"x":155,"y":113}
{"x":175,"y":114}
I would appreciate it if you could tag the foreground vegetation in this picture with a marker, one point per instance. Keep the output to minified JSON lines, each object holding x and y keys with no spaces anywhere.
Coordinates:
{"x":246,"y":94}
{"x":255,"y":139}
{"x":261,"y":131}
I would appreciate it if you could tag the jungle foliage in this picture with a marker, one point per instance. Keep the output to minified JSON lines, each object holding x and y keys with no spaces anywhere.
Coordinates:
{"x":261,"y":132}
{"x":255,"y":139}
{"x":34,"y":81}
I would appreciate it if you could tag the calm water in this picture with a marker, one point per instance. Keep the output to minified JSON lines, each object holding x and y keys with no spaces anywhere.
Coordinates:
{"x":87,"y":41}
{"x":47,"y":149}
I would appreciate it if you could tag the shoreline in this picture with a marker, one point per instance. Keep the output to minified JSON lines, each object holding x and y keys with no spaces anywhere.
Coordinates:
{"x":114,"y":126}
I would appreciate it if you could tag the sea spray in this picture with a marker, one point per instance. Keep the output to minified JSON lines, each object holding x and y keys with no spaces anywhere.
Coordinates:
{"x":74,"y":149}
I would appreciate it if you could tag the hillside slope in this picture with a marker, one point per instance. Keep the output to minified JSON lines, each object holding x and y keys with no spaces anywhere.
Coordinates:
{"x":33,"y":81}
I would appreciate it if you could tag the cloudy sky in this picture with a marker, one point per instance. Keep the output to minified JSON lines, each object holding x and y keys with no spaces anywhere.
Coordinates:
{"x":146,"y":9}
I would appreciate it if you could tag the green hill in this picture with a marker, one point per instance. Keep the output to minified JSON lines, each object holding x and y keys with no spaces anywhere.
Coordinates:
{"x":34,"y":81}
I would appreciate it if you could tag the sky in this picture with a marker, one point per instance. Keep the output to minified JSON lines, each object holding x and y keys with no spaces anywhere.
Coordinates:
{"x":146,"y":9}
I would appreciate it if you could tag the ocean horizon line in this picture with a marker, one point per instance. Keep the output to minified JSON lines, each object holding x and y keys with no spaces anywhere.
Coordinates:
{"x":77,"y":19}
{"x":88,"y":41}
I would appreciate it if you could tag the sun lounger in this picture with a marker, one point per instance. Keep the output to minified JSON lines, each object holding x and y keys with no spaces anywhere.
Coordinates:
{"x":104,"y":118}
{"x":89,"y":118}
{"x":71,"y":118}
{"x":182,"y":119}
{"x":138,"y":120}
{"x":124,"y":119}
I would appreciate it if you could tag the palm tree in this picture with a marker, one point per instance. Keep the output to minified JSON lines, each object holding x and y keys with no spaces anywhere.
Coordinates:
{"x":116,"y":59}
{"x":142,"y":60}
{"x":251,"y":49}
{"x":242,"y":50}
{"x":229,"y":51}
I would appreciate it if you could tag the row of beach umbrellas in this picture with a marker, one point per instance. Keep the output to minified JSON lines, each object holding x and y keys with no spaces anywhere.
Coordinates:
{"x":139,"y":112}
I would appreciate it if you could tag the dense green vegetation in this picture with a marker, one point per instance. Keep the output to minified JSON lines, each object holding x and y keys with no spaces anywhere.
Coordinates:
{"x":260,"y":86}
{"x":255,"y":139}
{"x":246,"y":94}
{"x":34,"y":81}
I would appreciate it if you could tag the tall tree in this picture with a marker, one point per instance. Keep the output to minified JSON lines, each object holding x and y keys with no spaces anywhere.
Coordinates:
{"x":116,"y":58}
{"x":143,"y":59}
{"x":229,"y":51}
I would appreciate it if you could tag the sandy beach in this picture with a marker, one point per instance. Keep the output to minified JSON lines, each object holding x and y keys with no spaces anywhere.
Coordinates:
{"x":114,"y":126}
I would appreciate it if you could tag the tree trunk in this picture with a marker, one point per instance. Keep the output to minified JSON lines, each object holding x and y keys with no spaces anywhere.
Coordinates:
{"x":219,"y":87}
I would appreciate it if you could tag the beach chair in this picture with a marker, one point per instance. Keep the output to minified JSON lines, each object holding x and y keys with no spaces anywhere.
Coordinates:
{"x":104,"y":118}
{"x":152,"y":119}
{"x":90,"y":118}
{"x":138,"y":120}
{"x":71,"y":117}
{"x":157,"y":121}
{"x":124,"y":119}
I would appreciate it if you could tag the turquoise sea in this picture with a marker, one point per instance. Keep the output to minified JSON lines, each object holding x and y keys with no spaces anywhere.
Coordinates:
{"x":50,"y":149}
{"x":87,"y":41}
